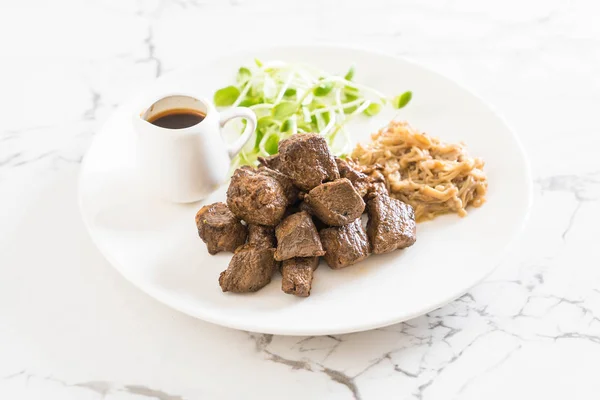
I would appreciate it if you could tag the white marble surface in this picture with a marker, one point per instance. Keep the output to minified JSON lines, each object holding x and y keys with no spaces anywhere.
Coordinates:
{"x":72,"y":328}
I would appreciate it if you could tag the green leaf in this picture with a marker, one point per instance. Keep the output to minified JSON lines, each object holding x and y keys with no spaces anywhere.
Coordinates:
{"x":320,"y":122}
{"x":323,"y":89}
{"x":323,"y":117}
{"x":326,"y":117}
{"x":373,"y":109}
{"x":250,"y":101}
{"x":260,"y":133}
{"x":226,"y":96}
{"x":403,"y":99}
{"x":255,"y":91}
{"x":258,"y":62}
{"x":271,"y":145}
{"x":350,"y":110}
{"x":289,"y":92}
{"x":265,"y":122}
{"x":314,"y":123}
{"x":316,"y":104}
{"x":304,"y":126}
{"x":243,"y":75}
{"x":263,"y":125}
{"x":284,"y":110}
{"x":351,"y":93}
{"x":287,"y":125}
{"x":350,"y":74}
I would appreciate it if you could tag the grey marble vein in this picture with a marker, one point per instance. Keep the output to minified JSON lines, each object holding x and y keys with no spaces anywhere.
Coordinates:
{"x":14,"y":375}
{"x":103,"y":388}
{"x":571,"y":220}
{"x":343,"y":379}
{"x":100,"y":387}
{"x":152,"y":393}
{"x":262,"y":341}
{"x":576,"y":184}
{"x":90,"y":114}
{"x":34,"y":159}
{"x":490,"y":369}
{"x":151,"y":50}
{"x":574,"y":335}
{"x":10,"y":158}
{"x":295,"y":364}
{"x":404,"y":372}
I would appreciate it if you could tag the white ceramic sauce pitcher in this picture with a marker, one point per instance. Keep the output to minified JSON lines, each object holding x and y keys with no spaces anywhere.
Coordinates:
{"x":186,"y":165}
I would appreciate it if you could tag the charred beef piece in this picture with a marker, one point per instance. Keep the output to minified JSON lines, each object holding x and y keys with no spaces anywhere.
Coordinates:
{"x":376,"y":184}
{"x":297,"y":275}
{"x":249,"y":270}
{"x":306,"y":159}
{"x":391,"y":224}
{"x":304,"y":207}
{"x":256,"y":198}
{"x":318,"y":223}
{"x":297,"y":237}
{"x":359,"y":180}
{"x":336,"y":203}
{"x":345,"y":245}
{"x":273,"y":162}
{"x":262,"y":236}
{"x":219,"y":228}
{"x":376,"y":188}
{"x":291,"y":191}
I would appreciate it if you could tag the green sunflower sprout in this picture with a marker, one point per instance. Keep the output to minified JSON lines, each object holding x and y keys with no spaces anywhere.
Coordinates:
{"x":292,"y":98}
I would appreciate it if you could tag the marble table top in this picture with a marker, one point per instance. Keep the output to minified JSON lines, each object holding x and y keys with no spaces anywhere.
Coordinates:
{"x":72,"y":328}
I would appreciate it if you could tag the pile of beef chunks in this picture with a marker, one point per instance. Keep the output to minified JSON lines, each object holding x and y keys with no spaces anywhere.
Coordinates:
{"x":299,"y":205}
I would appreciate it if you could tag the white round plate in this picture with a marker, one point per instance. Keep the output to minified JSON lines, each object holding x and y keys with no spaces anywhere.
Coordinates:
{"x":155,"y":245}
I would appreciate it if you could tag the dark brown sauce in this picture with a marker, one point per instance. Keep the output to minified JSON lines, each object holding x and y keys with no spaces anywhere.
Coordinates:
{"x":177,"y":118}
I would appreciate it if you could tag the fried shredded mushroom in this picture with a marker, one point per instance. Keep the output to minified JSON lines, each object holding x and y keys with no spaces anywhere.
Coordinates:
{"x":434,"y":177}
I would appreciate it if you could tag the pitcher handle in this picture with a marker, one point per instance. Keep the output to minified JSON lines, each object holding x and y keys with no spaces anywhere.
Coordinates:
{"x":239,"y":112}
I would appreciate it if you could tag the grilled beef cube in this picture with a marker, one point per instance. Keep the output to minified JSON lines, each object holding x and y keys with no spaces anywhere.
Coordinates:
{"x":249,"y":270}
{"x":297,"y":275}
{"x":359,"y":180}
{"x":306,"y":159}
{"x":297,"y":237}
{"x":273,"y":162}
{"x":219,"y":228}
{"x":345,"y":245}
{"x":376,"y":184}
{"x":391,"y":224}
{"x":262,"y":235}
{"x":335,"y":203}
{"x":318,"y":223}
{"x":376,"y":188}
{"x":256,"y":198}
{"x":291,"y":191}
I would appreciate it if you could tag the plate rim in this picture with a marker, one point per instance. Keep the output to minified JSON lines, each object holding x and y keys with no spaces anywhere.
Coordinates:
{"x":166,"y":300}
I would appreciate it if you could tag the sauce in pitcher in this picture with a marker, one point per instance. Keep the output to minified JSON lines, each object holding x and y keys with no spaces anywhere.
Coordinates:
{"x":178,"y":118}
